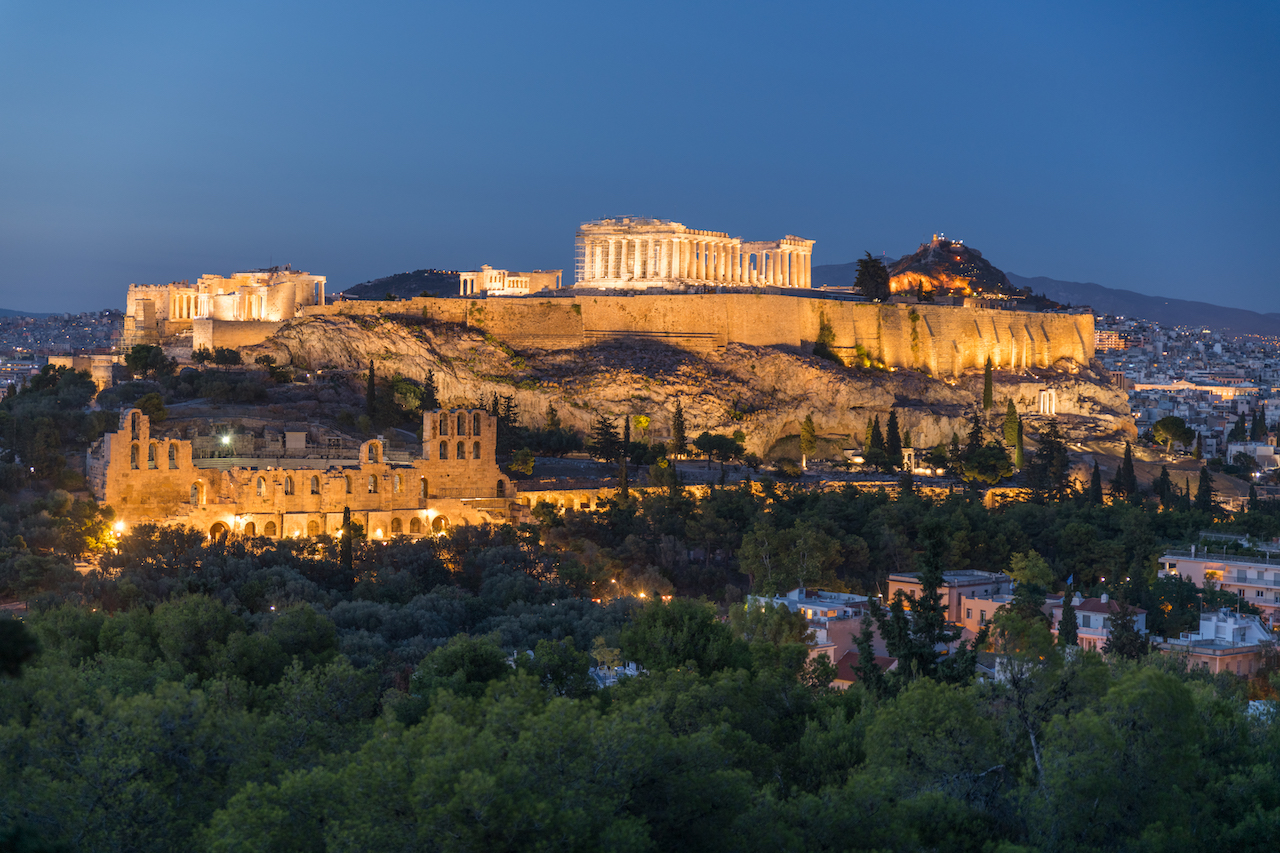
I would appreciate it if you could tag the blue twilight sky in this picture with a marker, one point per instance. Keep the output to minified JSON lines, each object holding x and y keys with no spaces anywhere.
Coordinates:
{"x":1130,"y":144}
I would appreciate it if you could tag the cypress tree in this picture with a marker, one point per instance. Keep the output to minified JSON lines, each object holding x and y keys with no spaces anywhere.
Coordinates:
{"x":808,"y":440}
{"x":1011,"y":424}
{"x":1019,"y":452}
{"x":974,"y":443}
{"x":1095,"y":496}
{"x":893,"y":440}
{"x":1067,"y":634}
{"x":906,"y":438}
{"x":1198,"y":453}
{"x":987,"y":395}
{"x":867,"y":443}
{"x":877,"y":436}
{"x":1204,"y":494}
{"x":953,"y":454}
{"x":1164,"y":488}
{"x":1184,"y":501}
{"x":430,"y":392}
{"x":626,"y":452}
{"x":370,"y":392}
{"x":679,"y":441}
{"x":1125,"y":483}
{"x":344,"y":543}
{"x":1253,"y":498}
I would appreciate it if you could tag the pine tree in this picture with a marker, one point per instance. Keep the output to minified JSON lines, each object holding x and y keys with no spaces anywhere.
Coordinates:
{"x":679,"y":441}
{"x":430,"y":392}
{"x":553,"y":418}
{"x":906,"y":484}
{"x":987,"y":390}
{"x":370,"y":393}
{"x":1205,"y":492}
{"x":1011,"y":424}
{"x":604,"y":442}
{"x":1067,"y":627}
{"x":873,"y":278}
{"x":893,"y":440}
{"x":1095,"y":490}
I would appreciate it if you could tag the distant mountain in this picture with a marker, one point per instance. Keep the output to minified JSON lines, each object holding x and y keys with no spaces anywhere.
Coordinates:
{"x":1166,"y":312}
{"x":1107,"y":300}
{"x":5,"y":312}
{"x":406,"y":285}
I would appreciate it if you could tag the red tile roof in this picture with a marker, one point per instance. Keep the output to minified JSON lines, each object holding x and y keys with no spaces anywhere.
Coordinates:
{"x":1097,"y":605}
{"x":846,"y":666}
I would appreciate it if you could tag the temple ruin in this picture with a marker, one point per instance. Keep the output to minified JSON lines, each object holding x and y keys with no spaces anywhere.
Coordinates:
{"x":654,"y":253}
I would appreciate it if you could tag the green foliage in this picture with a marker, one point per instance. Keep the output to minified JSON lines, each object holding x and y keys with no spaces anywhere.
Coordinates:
{"x":604,"y":442}
{"x":522,"y":461}
{"x":873,"y":279}
{"x":152,"y":405}
{"x":826,"y":337}
{"x":1011,"y":425}
{"x":681,"y":634}
{"x":227,"y":357}
{"x":679,"y":438}
{"x":1170,"y":429}
{"x":988,"y":397}
{"x":147,"y":360}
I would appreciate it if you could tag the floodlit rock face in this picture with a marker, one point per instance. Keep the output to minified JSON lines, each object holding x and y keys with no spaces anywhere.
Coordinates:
{"x":949,"y":267}
{"x":763,"y":391}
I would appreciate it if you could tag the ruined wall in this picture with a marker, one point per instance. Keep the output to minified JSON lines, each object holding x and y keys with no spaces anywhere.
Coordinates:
{"x":233,"y":334}
{"x":157,"y":479}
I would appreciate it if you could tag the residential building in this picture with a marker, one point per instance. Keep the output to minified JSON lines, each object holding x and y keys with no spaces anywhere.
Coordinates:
{"x":1255,"y":579}
{"x":1226,"y":642}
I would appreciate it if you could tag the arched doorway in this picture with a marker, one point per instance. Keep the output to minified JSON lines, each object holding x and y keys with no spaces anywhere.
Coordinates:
{"x":415,"y":525}
{"x":397,"y":527}
{"x":250,"y":529}
{"x":439,"y":524}
{"x":218,"y":531}
{"x":313,"y":528}
{"x":269,"y":529}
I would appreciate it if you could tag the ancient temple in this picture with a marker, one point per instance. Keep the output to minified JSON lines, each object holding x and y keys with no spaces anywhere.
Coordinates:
{"x":633,"y":253}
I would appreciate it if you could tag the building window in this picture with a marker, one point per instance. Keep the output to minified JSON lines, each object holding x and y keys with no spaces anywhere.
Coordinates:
{"x":195,"y":494}
{"x":462,"y":424}
{"x":982,"y":617}
{"x":173,"y":456}
{"x":502,"y":489}
{"x":395,"y":484}
{"x":415,"y":525}
{"x":397,"y":527}
{"x":133,"y":457}
{"x":315,"y":485}
{"x":250,"y":529}
{"x":262,"y":487}
{"x":444,"y":450}
{"x":151,"y":456}
{"x":444,"y":425}
{"x":968,"y":613}
{"x":374,"y":455}
{"x":269,"y":529}
{"x":1085,"y":621}
{"x":475,"y":424}
{"x":475,"y":450}
{"x":1258,"y":593}
{"x":462,"y":451}
{"x":288,"y":488}
{"x":423,"y":483}
{"x":133,"y":421}
{"x":373,"y":484}
{"x":348,"y":479}
{"x":313,"y":528}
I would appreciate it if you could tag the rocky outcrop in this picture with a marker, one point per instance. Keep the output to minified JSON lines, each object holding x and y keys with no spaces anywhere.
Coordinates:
{"x":765,"y":392}
{"x":949,"y":267}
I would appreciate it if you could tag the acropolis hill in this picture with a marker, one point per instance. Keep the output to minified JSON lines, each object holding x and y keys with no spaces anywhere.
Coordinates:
{"x":663,"y":311}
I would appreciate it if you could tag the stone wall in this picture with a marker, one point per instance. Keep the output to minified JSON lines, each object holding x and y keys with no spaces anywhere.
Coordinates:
{"x":945,"y":340}
{"x":232,"y":334}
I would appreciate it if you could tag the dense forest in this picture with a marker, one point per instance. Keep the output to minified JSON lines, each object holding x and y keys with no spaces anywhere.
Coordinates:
{"x":437,"y":694}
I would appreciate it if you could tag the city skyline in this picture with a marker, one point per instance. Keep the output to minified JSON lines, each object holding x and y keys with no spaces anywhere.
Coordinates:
{"x":1123,"y":147}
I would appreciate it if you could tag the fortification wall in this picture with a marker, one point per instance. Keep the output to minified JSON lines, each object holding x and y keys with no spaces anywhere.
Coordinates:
{"x":943,"y":339}
{"x":232,"y":334}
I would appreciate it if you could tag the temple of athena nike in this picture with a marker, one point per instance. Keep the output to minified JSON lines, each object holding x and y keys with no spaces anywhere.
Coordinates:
{"x":636,"y":253}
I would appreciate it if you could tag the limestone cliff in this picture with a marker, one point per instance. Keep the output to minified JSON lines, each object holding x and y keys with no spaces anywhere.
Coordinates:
{"x":763,"y":391}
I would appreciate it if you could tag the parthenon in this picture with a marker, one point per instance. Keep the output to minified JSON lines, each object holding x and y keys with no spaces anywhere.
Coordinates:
{"x":643,"y":253}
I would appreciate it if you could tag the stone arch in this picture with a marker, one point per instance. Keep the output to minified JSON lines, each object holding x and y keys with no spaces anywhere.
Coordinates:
{"x":173,"y":455}
{"x":397,"y":527}
{"x":475,"y":424}
{"x":373,"y":484}
{"x":374,"y":453}
{"x":444,"y":450}
{"x":313,"y":528}
{"x":261,"y":487}
{"x":197,"y":493}
{"x":269,"y":529}
{"x":462,"y":451}
{"x":475,"y":450}
{"x":250,"y":529}
{"x":395,"y":483}
{"x":218,"y":530}
{"x":444,"y":424}
{"x":349,"y":484}
{"x":315,"y":485}
{"x":502,"y":488}
{"x":462,"y":423}
{"x":288,"y":485}
{"x":439,"y":524}
{"x":134,"y":419}
{"x":133,"y":457}
{"x":151,"y":455}
{"x":423,"y":490}
{"x":415,"y":525}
